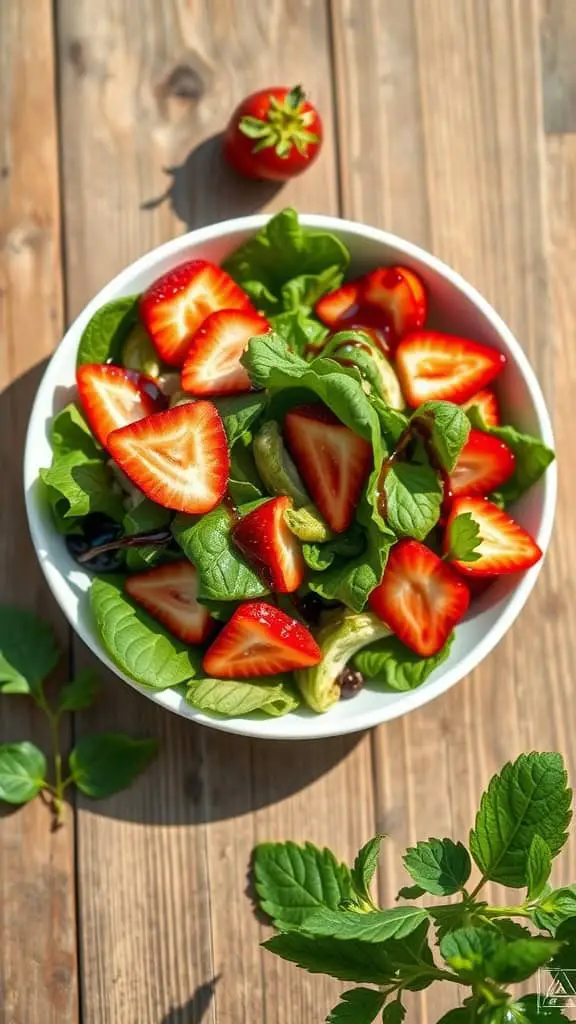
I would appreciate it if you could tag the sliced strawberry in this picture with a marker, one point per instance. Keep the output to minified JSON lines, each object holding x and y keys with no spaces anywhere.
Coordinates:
{"x":334,"y":461}
{"x":178,"y":458}
{"x":432,"y":365}
{"x":169,"y":594}
{"x":484,"y":464}
{"x":173,"y":308}
{"x":112,"y":397}
{"x":505,"y":546}
{"x":260,"y":640}
{"x":331,"y":309}
{"x":212,"y":365}
{"x":420,"y":597}
{"x":389,"y":301}
{"x":270,"y":546}
{"x":487,"y":405}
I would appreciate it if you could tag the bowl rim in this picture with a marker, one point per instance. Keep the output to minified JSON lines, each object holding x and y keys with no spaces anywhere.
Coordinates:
{"x":409,"y":701}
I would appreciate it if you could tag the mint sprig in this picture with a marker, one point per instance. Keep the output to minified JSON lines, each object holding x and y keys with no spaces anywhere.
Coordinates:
{"x":329,"y":921}
{"x":98,"y":765}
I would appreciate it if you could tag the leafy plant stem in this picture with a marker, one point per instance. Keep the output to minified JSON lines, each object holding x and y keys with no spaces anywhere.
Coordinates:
{"x":491,"y":912}
{"x":57,"y":790}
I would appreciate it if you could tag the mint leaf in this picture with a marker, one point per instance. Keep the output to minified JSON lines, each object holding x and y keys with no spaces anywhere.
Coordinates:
{"x":235,"y":697}
{"x":373,"y":926}
{"x":80,"y":692}
{"x":441,"y":866}
{"x":517,"y":960}
{"x":464,"y":538}
{"x":70,"y":435}
{"x":22,"y":772}
{"x":538,"y":866}
{"x":358,"y":1006}
{"x":223,"y":575}
{"x":293,"y":881}
{"x":530,"y":796}
{"x":365,"y":866}
{"x":282,"y":250}
{"x":302,"y":334}
{"x":451,"y":917}
{"x":144,"y":517}
{"x":392,"y":664}
{"x":394,"y":1013}
{"x":239,"y":413}
{"x":555,"y":907}
{"x":137,"y":643}
{"x":347,"y":961}
{"x":467,"y":950}
{"x":564,"y":963}
{"x":410,"y":892}
{"x":106,"y":332}
{"x":105,"y":763}
{"x":531,"y":455}
{"x":28,"y":651}
{"x":413,"y":499}
{"x":76,"y":489}
{"x":448,"y":427}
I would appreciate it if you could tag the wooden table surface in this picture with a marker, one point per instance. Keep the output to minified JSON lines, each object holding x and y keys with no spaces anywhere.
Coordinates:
{"x":450,"y":122}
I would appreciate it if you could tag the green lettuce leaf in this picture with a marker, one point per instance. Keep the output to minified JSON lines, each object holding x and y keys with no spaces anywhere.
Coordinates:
{"x":223,"y":575}
{"x":448,"y":427}
{"x":244,"y":484}
{"x":351,"y":580}
{"x":76,"y":489}
{"x":301,"y":293}
{"x":281,"y":251}
{"x":138,"y":643}
{"x":303,"y":335}
{"x":71,"y":435}
{"x":413,"y":499}
{"x":531,"y":454}
{"x":239,"y":413}
{"x":234,"y":697}
{"x":392,"y":664}
{"x":105,"y":334}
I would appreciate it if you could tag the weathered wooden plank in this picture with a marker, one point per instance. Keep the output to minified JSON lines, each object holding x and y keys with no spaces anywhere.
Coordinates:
{"x":143,"y":88}
{"x":558,"y":41}
{"x":38,"y":948}
{"x":457,"y":85}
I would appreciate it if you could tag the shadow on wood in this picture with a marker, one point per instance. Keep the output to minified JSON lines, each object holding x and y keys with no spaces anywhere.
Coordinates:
{"x":205,"y":189}
{"x":194,"y":1011}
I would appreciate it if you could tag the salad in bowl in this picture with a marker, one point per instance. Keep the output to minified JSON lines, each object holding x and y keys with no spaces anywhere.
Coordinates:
{"x":283,"y":483}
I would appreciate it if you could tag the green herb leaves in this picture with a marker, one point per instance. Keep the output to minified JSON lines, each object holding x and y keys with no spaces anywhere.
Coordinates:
{"x":530,"y":797}
{"x":342,"y":932}
{"x":393,"y":665}
{"x":464,"y":538}
{"x":99,"y":765}
{"x":413,"y":499}
{"x":447,"y":426}
{"x":234,"y":697}
{"x":223,"y":575}
{"x":107,"y":331}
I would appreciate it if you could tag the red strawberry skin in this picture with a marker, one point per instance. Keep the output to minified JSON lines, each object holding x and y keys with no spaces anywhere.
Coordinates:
{"x":212,"y":365}
{"x":260,"y":640}
{"x":390,"y":301}
{"x":484,"y":464}
{"x":178,"y":458}
{"x":436,"y":366}
{"x":264,"y":539}
{"x":174,"y":307}
{"x":112,"y":397}
{"x":333,"y":461}
{"x":506,"y":547}
{"x":169,"y":594}
{"x":420,"y":597}
{"x":487,"y":405}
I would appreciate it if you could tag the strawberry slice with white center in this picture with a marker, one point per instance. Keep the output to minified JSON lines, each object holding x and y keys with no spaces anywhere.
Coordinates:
{"x":505,"y":546}
{"x":340,"y":305}
{"x":333,"y":461}
{"x":260,"y":640}
{"x":112,"y":397}
{"x":487,"y":404}
{"x":178,"y":458}
{"x":169,"y":594}
{"x":432,"y":365}
{"x":212,"y":365}
{"x":265,"y":540}
{"x":391,"y":301}
{"x":420,"y":597}
{"x":484,"y":464}
{"x":173,"y":308}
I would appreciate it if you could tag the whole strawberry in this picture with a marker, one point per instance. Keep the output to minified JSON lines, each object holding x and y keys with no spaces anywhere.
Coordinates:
{"x":273,"y":134}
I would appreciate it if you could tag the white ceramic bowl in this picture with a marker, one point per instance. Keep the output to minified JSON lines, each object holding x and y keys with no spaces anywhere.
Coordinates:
{"x":454,"y":306}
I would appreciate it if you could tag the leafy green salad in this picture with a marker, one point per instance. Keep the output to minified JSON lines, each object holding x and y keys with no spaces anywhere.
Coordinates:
{"x":285,"y":485}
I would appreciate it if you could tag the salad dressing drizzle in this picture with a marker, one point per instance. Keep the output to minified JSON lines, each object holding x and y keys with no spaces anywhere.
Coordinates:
{"x":417,"y":430}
